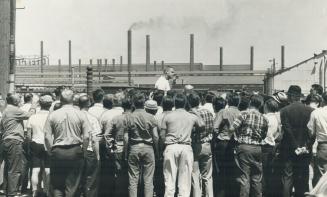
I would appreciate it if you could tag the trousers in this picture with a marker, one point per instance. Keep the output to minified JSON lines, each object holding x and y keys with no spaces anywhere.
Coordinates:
{"x":91,"y":175}
{"x":66,"y":169}
{"x":178,"y":165}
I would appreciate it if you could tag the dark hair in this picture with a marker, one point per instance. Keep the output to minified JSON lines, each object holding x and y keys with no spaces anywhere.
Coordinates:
{"x":10,"y":99}
{"x":244,"y":101}
{"x":28,"y":97}
{"x":167,"y":103}
{"x":318,"y":88}
{"x":256,"y":101}
{"x":179,"y":100}
{"x":193,"y":99}
{"x":219,"y":103}
{"x":126,"y":103}
{"x":233,"y":99}
{"x":108,"y":101}
{"x":272,"y":105}
{"x":98,"y":95}
{"x":57,"y":91}
{"x":84,"y":101}
{"x":209,"y":97}
{"x":57,"y":106}
{"x":76,"y":99}
{"x":158,"y":95}
{"x":138,"y":100}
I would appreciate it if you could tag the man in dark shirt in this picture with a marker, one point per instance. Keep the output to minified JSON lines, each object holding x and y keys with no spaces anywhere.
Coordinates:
{"x":66,"y":135}
{"x":12,"y":131}
{"x":143,"y":141}
{"x":296,"y":144}
{"x":250,"y":129}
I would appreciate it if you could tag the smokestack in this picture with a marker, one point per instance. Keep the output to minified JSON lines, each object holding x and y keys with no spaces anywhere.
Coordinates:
{"x":283,"y":57}
{"x":121,"y":63}
{"x":155,"y":65}
{"x":251,"y":57}
{"x":220,"y":58}
{"x":42,"y":58}
{"x":147,"y":61}
{"x":191,"y":51}
{"x":114,"y":64}
{"x":70,"y":55}
{"x":129,"y":55}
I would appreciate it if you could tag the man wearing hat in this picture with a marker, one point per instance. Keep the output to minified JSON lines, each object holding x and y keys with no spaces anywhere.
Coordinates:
{"x":296,"y":144}
{"x":40,"y":158}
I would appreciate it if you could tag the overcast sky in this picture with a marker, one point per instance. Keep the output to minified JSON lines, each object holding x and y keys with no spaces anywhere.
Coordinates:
{"x":98,"y":29}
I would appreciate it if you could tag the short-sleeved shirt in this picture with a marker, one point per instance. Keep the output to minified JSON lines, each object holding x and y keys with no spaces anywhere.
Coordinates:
{"x":318,"y":124}
{"x":178,"y":126}
{"x":274,"y":128}
{"x":224,"y":119}
{"x":114,"y":134}
{"x":12,"y":123}
{"x":204,"y":135}
{"x":107,"y":117}
{"x":68,"y":125}
{"x":97,"y":110}
{"x":140,"y":127}
{"x":36,"y":123}
{"x":162,"y":84}
{"x":250,"y":127}
{"x":95,"y":129}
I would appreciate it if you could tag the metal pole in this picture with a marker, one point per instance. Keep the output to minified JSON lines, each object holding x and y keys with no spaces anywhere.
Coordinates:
{"x":70,"y":55}
{"x":121,"y":63}
{"x":162,"y":65}
{"x":41,"y":57}
{"x":12,"y":44}
{"x":191,"y":51}
{"x":155,"y":65}
{"x":220,"y":58}
{"x":79,"y":67}
{"x":251,"y":57}
{"x":129,"y":55}
{"x":282,"y":57}
{"x":89,"y":80}
{"x":59,"y":67}
{"x":147,"y":61}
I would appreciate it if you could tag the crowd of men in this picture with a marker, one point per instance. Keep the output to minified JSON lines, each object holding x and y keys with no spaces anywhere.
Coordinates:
{"x":164,"y":143}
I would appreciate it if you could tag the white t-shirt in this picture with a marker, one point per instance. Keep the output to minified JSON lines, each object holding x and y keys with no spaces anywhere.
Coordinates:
{"x":162,"y":84}
{"x":36,"y":122}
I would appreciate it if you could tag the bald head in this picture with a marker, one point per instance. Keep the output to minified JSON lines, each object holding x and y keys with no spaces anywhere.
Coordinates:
{"x":13,"y":99}
{"x":67,"y":97}
{"x":84,"y":101}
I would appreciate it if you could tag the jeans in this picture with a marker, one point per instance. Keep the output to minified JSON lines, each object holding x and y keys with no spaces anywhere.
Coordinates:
{"x":295,"y":173}
{"x":141,"y":155}
{"x":248,"y":158}
{"x":320,"y":163}
{"x":91,"y":175}
{"x":202,"y":170}
{"x":178,"y":165}
{"x":15,"y":162}
{"x":66,"y":170}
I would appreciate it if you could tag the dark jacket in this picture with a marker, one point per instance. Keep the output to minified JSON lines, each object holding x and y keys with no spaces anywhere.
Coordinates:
{"x":295,"y":118}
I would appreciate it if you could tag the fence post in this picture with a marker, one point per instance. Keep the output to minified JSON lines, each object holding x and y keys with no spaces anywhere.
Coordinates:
{"x":89,"y":80}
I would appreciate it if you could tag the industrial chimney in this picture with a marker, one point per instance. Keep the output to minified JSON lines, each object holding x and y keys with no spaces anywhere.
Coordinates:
{"x":129,"y":55}
{"x":147,"y":60}
{"x":282,"y":57}
{"x":191,"y":51}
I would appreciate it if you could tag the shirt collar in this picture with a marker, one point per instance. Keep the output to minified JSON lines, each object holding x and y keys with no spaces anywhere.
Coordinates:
{"x":98,"y":104}
{"x":138,"y":110}
{"x":67,"y":106}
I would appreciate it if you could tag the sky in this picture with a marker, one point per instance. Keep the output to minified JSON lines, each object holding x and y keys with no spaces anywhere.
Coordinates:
{"x":98,"y":29}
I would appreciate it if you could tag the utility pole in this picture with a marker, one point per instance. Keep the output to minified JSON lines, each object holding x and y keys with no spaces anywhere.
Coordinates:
{"x":12,"y":53}
{"x":5,"y":16}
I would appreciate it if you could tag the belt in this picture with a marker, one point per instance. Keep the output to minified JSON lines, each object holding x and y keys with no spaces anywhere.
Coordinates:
{"x":183,"y":143}
{"x":141,"y":142}
{"x":325,"y":142}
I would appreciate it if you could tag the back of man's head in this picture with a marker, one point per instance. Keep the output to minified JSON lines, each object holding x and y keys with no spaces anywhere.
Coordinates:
{"x":76,"y":99}
{"x":233,"y":99}
{"x":318,"y":89}
{"x":45,"y":102}
{"x":219,"y":103}
{"x":126,"y":104}
{"x":324,"y":98}
{"x":209,"y":97}
{"x":256,"y":101}
{"x":28,"y":97}
{"x":67,"y":97}
{"x":138,"y":100}
{"x":193,"y":99}
{"x":13,"y":99}
{"x":108,"y":101}
{"x":179,"y":100}
{"x":167,"y":103}
{"x":84,"y":102}
{"x":98,"y":95}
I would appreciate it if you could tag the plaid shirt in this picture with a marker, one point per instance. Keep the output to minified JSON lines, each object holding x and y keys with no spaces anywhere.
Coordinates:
{"x":204,"y":135}
{"x":250,"y":127}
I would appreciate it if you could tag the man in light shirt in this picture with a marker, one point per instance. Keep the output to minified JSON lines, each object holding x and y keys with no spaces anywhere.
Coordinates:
{"x":97,"y":109}
{"x":163,"y":82}
{"x":318,"y":129}
{"x":40,"y":158}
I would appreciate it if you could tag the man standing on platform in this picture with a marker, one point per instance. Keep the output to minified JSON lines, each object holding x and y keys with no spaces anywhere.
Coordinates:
{"x":66,"y":139}
{"x":163,"y":82}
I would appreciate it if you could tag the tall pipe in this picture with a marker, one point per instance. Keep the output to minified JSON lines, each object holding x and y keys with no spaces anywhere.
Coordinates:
{"x":147,"y":60}
{"x":121,"y":63}
{"x":251,"y":57}
{"x":114,"y":64}
{"x":191,"y":51}
{"x":89,"y":80}
{"x":220,"y":58}
{"x":41,"y":47}
{"x":129,"y":55}
{"x":70,"y":55}
{"x":106,"y":65}
{"x":155,"y":65}
{"x":282,"y":57}
{"x":162,"y":65}
{"x":79,"y":65}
